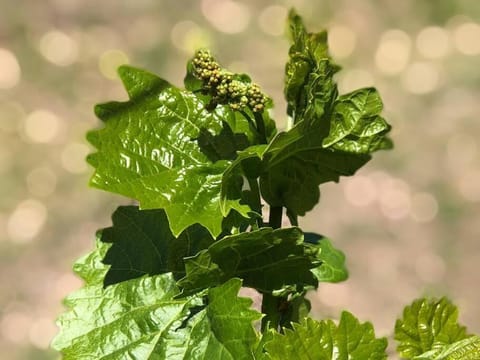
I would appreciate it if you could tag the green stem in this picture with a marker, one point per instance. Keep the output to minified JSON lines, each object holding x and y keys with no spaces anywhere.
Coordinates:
{"x":257,"y":206}
{"x":272,"y":306}
{"x":260,"y":127}
{"x":275,"y":218}
{"x":292,"y":217}
{"x":252,"y":124}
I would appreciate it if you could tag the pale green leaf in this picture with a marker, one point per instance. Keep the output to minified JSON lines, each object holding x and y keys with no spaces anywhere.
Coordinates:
{"x":323,"y":340}
{"x":466,"y":349}
{"x":427,"y":324}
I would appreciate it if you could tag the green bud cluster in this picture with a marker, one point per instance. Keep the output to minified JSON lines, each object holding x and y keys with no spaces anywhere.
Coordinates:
{"x":223,"y":87}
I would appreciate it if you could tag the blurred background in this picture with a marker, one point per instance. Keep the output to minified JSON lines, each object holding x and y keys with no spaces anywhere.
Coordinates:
{"x":409,"y":222}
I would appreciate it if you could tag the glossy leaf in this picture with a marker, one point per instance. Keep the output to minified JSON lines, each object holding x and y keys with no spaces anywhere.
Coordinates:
{"x":332,"y":137}
{"x":323,"y":340}
{"x":466,"y":349}
{"x":163,"y":148}
{"x":143,"y":318}
{"x":230,"y":318}
{"x":142,"y":244}
{"x":265,"y":259}
{"x":427,"y":325}
{"x":332,"y":268}
{"x":309,"y":72}
{"x":97,"y":318}
{"x":247,"y":165}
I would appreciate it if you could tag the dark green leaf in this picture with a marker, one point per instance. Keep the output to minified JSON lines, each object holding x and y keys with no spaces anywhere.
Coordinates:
{"x":323,"y":340}
{"x":427,"y":325}
{"x":246,"y":166}
{"x":155,"y":148}
{"x":265,"y":259}
{"x":142,"y":244}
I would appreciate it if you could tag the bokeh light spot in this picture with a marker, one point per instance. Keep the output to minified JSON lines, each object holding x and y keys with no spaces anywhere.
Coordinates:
{"x":395,"y":201}
{"x":272,"y":20}
{"x":109,"y":62}
{"x":26,"y":221}
{"x":228,"y":16}
{"x":188,"y":36}
{"x":58,"y":48}
{"x":42,"y":126}
{"x":41,"y":332}
{"x":393,"y":52}
{"x":360,"y":191}
{"x":433,"y":42}
{"x":341,"y":41}
{"x":10,"y":69}
{"x":14,"y":326}
{"x":466,"y":37}
{"x":469,"y":185}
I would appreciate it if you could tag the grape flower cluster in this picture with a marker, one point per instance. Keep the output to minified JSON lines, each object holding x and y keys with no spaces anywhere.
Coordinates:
{"x":224,"y":86}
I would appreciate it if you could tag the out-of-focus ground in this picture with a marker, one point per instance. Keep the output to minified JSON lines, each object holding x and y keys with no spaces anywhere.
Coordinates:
{"x":409,"y":222}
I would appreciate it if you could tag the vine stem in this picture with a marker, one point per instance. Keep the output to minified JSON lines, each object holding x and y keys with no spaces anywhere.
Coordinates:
{"x":260,"y":127}
{"x":258,"y":203}
{"x":272,"y":305}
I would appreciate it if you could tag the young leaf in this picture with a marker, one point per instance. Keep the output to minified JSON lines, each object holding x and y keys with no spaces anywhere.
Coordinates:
{"x":323,"y":340}
{"x":466,"y":349}
{"x":332,"y":268}
{"x":427,"y":325}
{"x":309,"y":71}
{"x":332,"y":137}
{"x":247,"y":165}
{"x":265,"y":259}
{"x":142,"y":244}
{"x":154,"y":148}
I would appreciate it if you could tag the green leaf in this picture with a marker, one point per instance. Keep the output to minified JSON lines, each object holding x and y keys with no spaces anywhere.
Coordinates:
{"x":427,"y":325}
{"x":332,"y":137}
{"x":332,"y":268}
{"x":247,"y":165}
{"x":231,"y":318}
{"x":356,"y":126}
{"x":321,"y":150}
{"x":95,"y":325}
{"x":309,"y":72}
{"x":142,"y":244}
{"x":266,"y":260}
{"x":143,"y":318}
{"x":163,"y":148}
{"x":466,"y":349}
{"x":323,"y":340}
